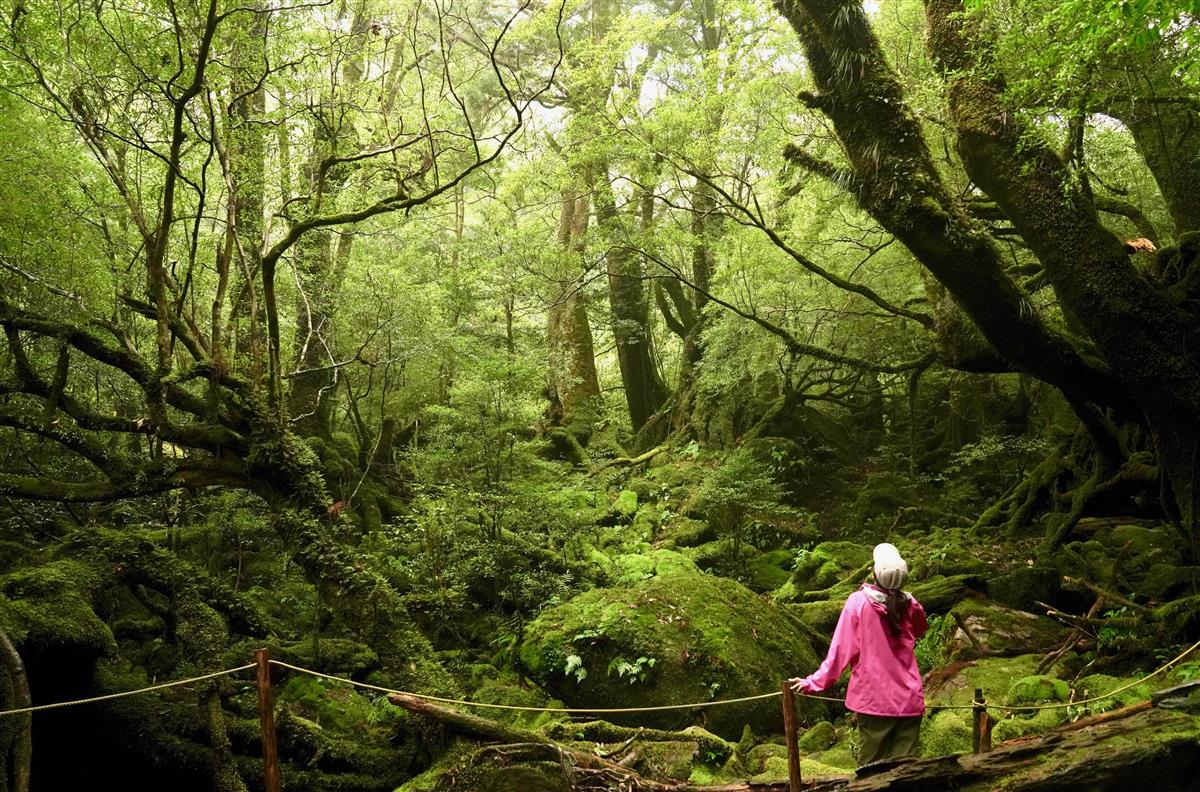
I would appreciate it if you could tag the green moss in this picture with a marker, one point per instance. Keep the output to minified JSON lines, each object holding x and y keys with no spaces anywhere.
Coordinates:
{"x":813,"y":768}
{"x":632,"y":568}
{"x":496,"y":692}
{"x":946,"y":732}
{"x":50,"y":606}
{"x":769,"y":571}
{"x":774,"y":768}
{"x":686,"y":532}
{"x":1018,"y":726}
{"x":942,"y":593}
{"x":993,"y":675}
{"x":1095,"y":685}
{"x":328,"y":655}
{"x":708,"y":638}
{"x":841,"y":757}
{"x":1036,"y":689}
{"x":666,"y":759}
{"x":820,"y":737}
{"x":626,"y":504}
{"x":821,"y":616}
{"x":828,"y":563}
{"x":1024,"y":587}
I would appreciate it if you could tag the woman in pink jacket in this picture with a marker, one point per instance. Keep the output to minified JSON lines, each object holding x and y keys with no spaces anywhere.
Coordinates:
{"x":874,"y":637}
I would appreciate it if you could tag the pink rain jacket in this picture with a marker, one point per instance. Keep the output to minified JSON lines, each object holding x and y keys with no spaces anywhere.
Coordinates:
{"x":884,"y":679}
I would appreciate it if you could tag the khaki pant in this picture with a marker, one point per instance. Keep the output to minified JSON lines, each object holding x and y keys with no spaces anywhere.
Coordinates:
{"x":886,"y":738}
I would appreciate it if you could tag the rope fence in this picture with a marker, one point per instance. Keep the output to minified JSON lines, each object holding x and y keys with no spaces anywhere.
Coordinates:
{"x":124,"y":693}
{"x":271,"y":768}
{"x":587,"y":710}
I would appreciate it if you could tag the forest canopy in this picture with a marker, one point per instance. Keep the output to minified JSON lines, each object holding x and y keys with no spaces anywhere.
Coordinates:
{"x":385,"y":332}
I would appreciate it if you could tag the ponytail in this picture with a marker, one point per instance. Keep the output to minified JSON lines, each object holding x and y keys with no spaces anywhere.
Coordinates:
{"x":897,"y":609}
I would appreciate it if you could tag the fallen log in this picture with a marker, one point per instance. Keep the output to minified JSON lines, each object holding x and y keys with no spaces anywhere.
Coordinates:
{"x":1137,"y":747}
{"x":523,"y":745}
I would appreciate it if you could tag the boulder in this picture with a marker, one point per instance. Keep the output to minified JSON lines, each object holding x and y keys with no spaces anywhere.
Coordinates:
{"x":982,"y":629}
{"x":828,"y":564}
{"x":676,"y":637}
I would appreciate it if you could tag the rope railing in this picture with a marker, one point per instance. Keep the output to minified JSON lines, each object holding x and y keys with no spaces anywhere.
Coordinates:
{"x":124,"y":693}
{"x":271,"y":765}
{"x":586,"y":710}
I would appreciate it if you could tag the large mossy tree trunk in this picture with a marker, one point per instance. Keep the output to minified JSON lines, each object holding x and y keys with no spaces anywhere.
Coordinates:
{"x":644,"y":389}
{"x":1136,"y":361}
{"x":574,"y":389}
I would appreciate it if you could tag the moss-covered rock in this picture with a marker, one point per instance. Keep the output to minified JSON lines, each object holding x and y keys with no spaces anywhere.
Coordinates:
{"x":328,"y":655}
{"x":463,"y":770}
{"x":1036,"y":689}
{"x":512,"y":695}
{"x":670,"y":639}
{"x":1017,"y":726}
{"x":820,"y":737}
{"x":634,"y":567}
{"x":993,"y":675}
{"x":769,"y":571}
{"x":827,"y":564}
{"x":1024,"y":587}
{"x":666,"y":759}
{"x":946,"y":732}
{"x":686,"y":532}
{"x":987,"y":629}
{"x":626,"y":504}
{"x":941,"y":593}
{"x":757,"y":757}
{"x":49,"y":607}
{"x":822,"y":616}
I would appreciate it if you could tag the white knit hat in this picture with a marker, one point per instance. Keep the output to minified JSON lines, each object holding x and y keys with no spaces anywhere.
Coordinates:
{"x":891,"y":571}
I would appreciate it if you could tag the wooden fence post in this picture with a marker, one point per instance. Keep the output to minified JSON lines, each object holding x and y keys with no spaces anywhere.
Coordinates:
{"x":789,"y":730}
{"x":266,"y":718}
{"x":981,"y":738}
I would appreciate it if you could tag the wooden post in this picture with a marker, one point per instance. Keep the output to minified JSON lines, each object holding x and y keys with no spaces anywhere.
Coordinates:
{"x":266,"y":718}
{"x":979,"y":722}
{"x":789,"y":730}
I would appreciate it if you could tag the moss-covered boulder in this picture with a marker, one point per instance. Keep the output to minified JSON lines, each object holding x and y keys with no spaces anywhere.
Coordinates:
{"x":634,"y":567}
{"x":671,"y":639}
{"x":463,"y":769}
{"x":1017,"y":726}
{"x":1036,"y":689}
{"x":946,"y":732}
{"x":1024,"y":587}
{"x":941,"y":593}
{"x":686,"y":532}
{"x":670,"y":759}
{"x":49,"y":608}
{"x":956,"y":683}
{"x":827,"y":564}
{"x":986,"y":629}
{"x":820,"y":737}
{"x":821,"y":616}
{"x":769,"y":571}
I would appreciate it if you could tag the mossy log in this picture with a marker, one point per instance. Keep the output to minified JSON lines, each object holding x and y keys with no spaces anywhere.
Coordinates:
{"x":1133,"y":748}
{"x":520,"y":745}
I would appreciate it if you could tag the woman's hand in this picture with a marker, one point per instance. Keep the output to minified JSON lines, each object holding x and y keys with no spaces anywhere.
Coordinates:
{"x":800,"y":685}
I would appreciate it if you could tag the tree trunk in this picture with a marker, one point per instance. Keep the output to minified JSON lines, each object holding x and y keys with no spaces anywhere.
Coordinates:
{"x":1148,"y":342}
{"x":574,"y":389}
{"x":644,"y":390}
{"x":19,"y":753}
{"x":323,"y":257}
